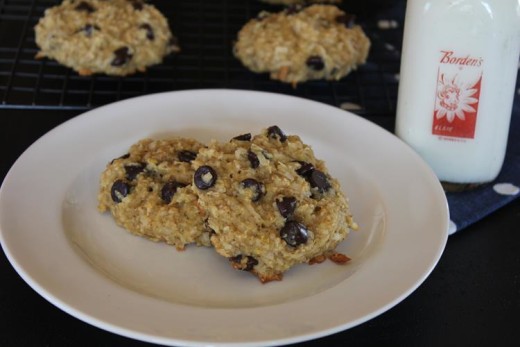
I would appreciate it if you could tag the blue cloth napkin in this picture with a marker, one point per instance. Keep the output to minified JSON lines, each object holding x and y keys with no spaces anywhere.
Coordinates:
{"x":469,"y":207}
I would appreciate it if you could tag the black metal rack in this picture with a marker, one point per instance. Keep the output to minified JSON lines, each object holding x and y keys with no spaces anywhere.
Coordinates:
{"x":206,"y":30}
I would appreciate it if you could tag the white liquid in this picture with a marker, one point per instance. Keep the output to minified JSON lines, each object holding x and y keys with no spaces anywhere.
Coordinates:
{"x":487,"y":34}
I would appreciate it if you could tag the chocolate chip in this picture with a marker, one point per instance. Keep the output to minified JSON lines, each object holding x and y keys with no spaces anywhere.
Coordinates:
{"x":149,"y":31}
{"x":84,"y":6}
{"x":89,"y":29}
{"x":315,"y":62}
{"x":294,"y":233}
{"x":253,"y":159}
{"x":305,"y":169}
{"x":205,"y":177}
{"x":186,"y":156}
{"x":132,"y":170}
{"x":122,"y":56}
{"x":119,"y":190}
{"x":169,"y":189}
{"x":318,"y":179}
{"x":276,"y":133}
{"x":257,"y":188}
{"x":238,"y":262}
{"x":243,"y":137}
{"x":346,"y":19}
{"x":251,"y":263}
{"x":137,"y":5}
{"x":286,"y":206}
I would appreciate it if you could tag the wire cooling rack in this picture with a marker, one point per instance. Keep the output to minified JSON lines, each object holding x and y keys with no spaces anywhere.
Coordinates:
{"x":206,"y":30}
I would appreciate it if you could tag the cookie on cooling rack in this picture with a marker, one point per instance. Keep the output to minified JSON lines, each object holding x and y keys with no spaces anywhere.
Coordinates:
{"x":117,"y":37}
{"x":270,"y":203}
{"x":148,"y":192}
{"x":302,"y":43}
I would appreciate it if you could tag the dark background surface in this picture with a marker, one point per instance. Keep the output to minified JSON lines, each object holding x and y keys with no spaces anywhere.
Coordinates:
{"x":472,"y":298}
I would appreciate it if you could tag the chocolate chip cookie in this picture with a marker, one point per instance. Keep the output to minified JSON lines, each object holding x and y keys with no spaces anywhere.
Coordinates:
{"x":302,"y":43}
{"x":270,"y":203}
{"x":117,"y":37}
{"x":148,"y":192}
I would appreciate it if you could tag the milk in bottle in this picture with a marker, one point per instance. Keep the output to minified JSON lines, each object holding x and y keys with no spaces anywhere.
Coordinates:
{"x":458,"y":73}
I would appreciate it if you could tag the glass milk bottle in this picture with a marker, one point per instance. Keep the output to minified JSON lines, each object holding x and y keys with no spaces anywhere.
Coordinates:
{"x":457,"y":82}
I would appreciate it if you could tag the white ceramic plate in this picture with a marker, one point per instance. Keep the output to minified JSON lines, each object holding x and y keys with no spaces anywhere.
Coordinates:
{"x":80,"y":261}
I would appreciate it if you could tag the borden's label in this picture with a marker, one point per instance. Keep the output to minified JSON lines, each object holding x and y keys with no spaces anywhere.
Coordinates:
{"x":459,"y":80}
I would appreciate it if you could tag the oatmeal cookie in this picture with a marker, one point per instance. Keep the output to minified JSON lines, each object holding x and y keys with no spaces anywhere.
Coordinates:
{"x":117,"y":37}
{"x":300,"y":44}
{"x":270,"y":203}
{"x":148,"y":192}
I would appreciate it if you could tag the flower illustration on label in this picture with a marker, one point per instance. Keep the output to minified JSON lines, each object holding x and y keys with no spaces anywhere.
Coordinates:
{"x":454,"y":98}
{"x":457,"y":96}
